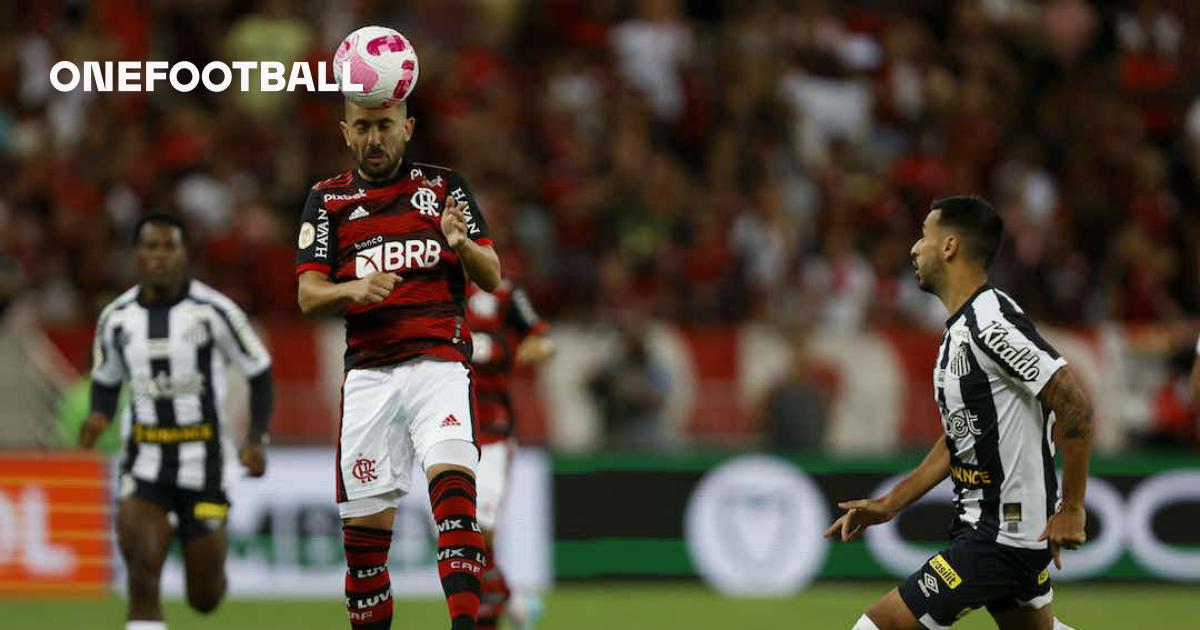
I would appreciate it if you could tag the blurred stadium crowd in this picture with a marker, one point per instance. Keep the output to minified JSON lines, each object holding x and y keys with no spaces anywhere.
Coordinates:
{"x":698,"y":161}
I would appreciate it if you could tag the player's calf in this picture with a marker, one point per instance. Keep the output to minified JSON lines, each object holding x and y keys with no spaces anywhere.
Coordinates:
{"x":368,"y":584}
{"x":494,"y":593}
{"x":143,"y":535}
{"x":461,"y":556}
{"x":143,"y":584}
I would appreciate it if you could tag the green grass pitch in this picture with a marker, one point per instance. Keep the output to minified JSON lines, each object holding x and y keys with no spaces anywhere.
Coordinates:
{"x":630,"y":606}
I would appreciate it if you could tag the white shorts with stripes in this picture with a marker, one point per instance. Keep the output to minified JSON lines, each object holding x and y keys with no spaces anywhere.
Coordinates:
{"x":392,"y":417}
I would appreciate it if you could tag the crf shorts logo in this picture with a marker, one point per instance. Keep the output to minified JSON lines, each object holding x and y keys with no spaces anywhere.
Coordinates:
{"x":398,"y":255}
{"x":364,"y":470}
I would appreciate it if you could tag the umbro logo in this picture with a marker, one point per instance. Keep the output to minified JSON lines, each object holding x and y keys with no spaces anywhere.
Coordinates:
{"x":451,"y":421}
{"x":927,"y":584}
{"x":358,"y":213}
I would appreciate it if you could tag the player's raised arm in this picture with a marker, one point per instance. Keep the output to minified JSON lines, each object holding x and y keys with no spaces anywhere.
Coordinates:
{"x":863,"y":513}
{"x":465,"y":230}
{"x":1073,"y":413}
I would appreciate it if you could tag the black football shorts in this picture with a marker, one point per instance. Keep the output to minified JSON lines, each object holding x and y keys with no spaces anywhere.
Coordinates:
{"x":197,"y":512}
{"x":971,"y":574}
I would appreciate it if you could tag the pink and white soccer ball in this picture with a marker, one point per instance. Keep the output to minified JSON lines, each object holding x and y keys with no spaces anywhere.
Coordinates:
{"x":382,"y":61}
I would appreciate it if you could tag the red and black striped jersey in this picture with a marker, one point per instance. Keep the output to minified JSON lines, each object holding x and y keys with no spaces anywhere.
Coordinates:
{"x":352,"y":227}
{"x":499,"y":321}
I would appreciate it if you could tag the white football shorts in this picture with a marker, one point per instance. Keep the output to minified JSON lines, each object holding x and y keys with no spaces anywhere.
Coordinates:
{"x":492,"y":481}
{"x":391,"y":418}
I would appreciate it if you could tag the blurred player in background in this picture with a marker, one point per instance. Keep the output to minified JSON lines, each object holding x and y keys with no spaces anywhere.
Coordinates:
{"x":996,"y":382}
{"x":506,"y":331}
{"x":391,"y":247}
{"x":170,"y":339}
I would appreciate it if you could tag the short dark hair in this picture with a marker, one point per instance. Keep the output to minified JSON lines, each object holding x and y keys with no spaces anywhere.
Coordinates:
{"x":160,"y":218}
{"x":976,"y":222}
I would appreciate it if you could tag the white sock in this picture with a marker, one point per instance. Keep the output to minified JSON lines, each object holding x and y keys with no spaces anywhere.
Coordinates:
{"x":865,"y":623}
{"x":145,"y":625}
{"x":1058,"y":625}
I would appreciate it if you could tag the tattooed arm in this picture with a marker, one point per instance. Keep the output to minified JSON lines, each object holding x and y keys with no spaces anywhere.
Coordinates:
{"x":1073,"y":413}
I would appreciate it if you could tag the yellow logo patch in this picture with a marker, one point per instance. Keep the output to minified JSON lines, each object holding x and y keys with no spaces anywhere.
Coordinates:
{"x":203,"y":432}
{"x":945,"y":571}
{"x":206,"y":510}
{"x":1043,"y":576}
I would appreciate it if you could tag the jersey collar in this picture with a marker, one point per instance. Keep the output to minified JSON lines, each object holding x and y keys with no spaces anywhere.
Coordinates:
{"x":962,"y":309}
{"x":185,"y":290}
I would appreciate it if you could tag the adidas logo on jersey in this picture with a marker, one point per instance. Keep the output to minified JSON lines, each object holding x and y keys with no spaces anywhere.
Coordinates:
{"x":359,"y":213}
{"x":451,"y":421}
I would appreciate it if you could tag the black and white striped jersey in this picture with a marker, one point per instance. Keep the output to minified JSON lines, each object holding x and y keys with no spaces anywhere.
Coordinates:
{"x":991,"y":366}
{"x":173,"y":358}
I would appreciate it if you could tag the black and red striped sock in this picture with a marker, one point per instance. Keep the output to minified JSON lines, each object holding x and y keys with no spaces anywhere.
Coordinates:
{"x":461,"y":557}
{"x":494,"y":596}
{"x":368,"y":585}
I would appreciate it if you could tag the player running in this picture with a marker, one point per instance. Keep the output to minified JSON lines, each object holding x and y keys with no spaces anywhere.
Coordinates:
{"x":506,"y":331}
{"x":391,"y":246}
{"x":170,"y":339}
{"x":996,"y":382}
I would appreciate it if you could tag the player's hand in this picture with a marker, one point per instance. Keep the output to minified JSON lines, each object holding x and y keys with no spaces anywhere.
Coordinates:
{"x":372,"y":288}
{"x":91,"y":430}
{"x":859,"y":515}
{"x":254,"y":458}
{"x":454,"y":224}
{"x":534,"y":349}
{"x":1065,"y":529}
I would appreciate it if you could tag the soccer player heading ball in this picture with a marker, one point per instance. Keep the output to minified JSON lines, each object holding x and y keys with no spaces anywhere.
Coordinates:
{"x":996,"y":382}
{"x":390,"y":246}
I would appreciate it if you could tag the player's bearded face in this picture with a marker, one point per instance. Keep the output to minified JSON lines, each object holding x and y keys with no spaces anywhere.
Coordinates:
{"x":925,"y":254}
{"x":161,"y":255}
{"x":377,"y":137}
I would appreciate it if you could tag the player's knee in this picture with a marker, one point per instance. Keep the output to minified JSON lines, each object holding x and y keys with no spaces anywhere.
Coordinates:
{"x":865,"y":623}
{"x":204,"y":600}
{"x":204,"y":594}
{"x":447,"y":454}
